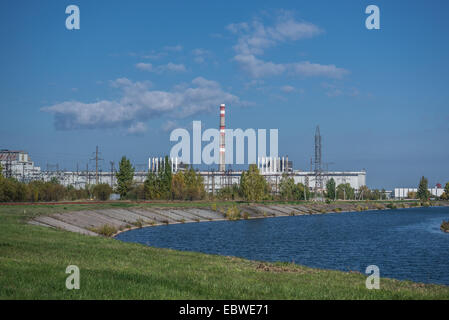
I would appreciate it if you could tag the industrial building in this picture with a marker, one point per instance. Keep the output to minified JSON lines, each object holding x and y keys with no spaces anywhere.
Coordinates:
{"x":272,"y":168}
{"x":403,"y":193}
{"x":18,"y":164}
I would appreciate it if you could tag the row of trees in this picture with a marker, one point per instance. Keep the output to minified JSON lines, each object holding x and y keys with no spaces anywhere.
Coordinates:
{"x":161,"y":185}
{"x":423,"y":192}
{"x":189,"y":185}
{"x":346,"y":192}
{"x":12,"y":190}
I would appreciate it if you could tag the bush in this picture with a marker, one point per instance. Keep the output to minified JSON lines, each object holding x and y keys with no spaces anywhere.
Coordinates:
{"x":139,"y":223}
{"x":378,"y":206}
{"x":233,"y":213}
{"x":391,"y":206}
{"x":12,"y":190}
{"x":105,"y":230}
{"x":102,"y":191}
{"x":445,"y":226}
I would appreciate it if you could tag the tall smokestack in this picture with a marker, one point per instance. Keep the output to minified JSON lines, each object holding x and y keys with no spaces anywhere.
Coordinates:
{"x":222,"y":166}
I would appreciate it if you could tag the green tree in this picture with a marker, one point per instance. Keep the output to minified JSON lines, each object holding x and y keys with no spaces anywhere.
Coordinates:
{"x":253,"y":186}
{"x":287,"y":188}
{"x":125,"y":176}
{"x":345,"y":191}
{"x":194,"y":185}
{"x":445,"y":195}
{"x":165,"y":177}
{"x":302,"y":192}
{"x":1,"y":171}
{"x":178,"y":186}
{"x":423,"y":193}
{"x":364,"y":193}
{"x":331,"y":189}
{"x":102,"y":191}
{"x":151,"y":187}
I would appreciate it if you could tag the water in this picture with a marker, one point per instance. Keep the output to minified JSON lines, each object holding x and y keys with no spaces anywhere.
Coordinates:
{"x":404,"y":244}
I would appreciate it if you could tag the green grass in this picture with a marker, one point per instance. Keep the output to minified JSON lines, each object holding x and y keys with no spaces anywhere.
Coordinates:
{"x":33,"y":261}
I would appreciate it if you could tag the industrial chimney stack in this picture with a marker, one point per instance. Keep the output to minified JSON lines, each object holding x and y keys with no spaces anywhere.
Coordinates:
{"x":222,"y":166}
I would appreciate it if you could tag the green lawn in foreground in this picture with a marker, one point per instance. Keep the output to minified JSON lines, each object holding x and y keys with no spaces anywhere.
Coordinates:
{"x":33,"y":262}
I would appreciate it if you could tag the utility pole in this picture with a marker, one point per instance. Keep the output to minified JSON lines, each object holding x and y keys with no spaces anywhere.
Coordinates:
{"x":96,"y":164}
{"x":112,"y":173}
{"x":77,"y":175}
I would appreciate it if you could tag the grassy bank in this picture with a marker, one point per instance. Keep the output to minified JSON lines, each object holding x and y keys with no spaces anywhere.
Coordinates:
{"x":33,"y":261}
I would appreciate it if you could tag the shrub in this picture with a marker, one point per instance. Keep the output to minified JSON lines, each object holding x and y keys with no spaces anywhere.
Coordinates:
{"x":233,"y":213}
{"x":102,"y":191}
{"x":139,"y":223}
{"x":378,"y":206}
{"x":245,"y":215}
{"x":105,"y":230}
{"x":425,"y":204}
{"x":391,"y":206}
{"x":445,"y":226}
{"x":213,"y":207}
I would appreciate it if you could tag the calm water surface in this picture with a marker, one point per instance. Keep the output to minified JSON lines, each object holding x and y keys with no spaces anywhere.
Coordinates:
{"x":404,"y":244}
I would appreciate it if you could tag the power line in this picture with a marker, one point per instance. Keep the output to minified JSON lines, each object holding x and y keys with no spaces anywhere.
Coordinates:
{"x":97,"y":158}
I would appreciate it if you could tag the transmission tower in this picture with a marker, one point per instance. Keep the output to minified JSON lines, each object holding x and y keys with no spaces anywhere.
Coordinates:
{"x":112,"y":173}
{"x":96,"y":158}
{"x":318,"y":168}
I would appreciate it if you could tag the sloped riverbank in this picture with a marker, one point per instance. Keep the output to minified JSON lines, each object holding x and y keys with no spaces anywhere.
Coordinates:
{"x":111,"y":221}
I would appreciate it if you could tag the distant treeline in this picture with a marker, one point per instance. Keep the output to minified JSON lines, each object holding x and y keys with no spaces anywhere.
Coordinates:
{"x":189,"y":185}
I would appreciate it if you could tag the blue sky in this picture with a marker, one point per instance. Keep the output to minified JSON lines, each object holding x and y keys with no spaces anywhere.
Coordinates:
{"x":135,"y":70}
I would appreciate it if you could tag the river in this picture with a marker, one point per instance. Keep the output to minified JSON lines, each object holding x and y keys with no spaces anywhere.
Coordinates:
{"x":403,"y":243}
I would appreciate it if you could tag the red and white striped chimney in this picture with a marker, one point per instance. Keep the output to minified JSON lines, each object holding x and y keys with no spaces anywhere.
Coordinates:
{"x":222,"y":166}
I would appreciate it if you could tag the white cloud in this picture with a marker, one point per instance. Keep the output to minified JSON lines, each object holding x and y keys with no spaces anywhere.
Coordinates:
{"x":336,"y":90}
{"x":173,"y":67}
{"x":144,"y":66}
{"x":307,"y":68}
{"x":139,"y":103}
{"x":169,"y":125}
{"x":137,"y":128}
{"x":255,"y":37}
{"x":200,"y":55}
{"x":176,"y":48}
{"x":258,"y":68}
{"x":287,"y":89}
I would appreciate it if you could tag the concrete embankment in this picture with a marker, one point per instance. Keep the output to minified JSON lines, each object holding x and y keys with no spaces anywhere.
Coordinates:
{"x":112,"y":221}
